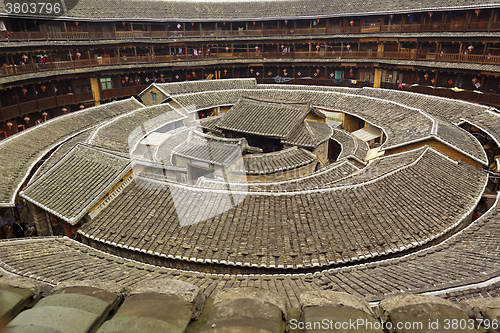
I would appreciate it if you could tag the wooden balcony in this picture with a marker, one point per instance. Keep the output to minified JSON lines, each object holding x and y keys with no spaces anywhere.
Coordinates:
{"x":484,"y":26}
{"x":338,"y":55}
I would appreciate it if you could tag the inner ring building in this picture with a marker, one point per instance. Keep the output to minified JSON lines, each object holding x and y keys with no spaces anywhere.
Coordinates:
{"x":215,"y":159}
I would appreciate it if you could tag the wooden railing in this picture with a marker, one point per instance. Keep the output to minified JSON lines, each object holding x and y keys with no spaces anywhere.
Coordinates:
{"x":416,"y":27}
{"x":59,"y":65}
{"x":23,"y":108}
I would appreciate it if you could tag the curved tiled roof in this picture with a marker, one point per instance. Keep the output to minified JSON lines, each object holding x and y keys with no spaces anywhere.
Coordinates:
{"x":391,"y":229}
{"x":352,"y":147}
{"x":187,"y":87}
{"x":412,"y":200}
{"x":402,"y":123}
{"x":210,"y":149}
{"x":319,"y":179}
{"x":194,"y":11}
{"x":60,"y":152}
{"x":77,"y":182}
{"x":123,"y":133}
{"x":23,"y":150}
{"x":467,"y":261}
{"x":283,"y":160}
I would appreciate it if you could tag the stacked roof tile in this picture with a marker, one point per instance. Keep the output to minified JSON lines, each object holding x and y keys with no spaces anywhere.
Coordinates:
{"x":210,"y":149}
{"x":71,"y":187}
{"x":283,"y":160}
{"x":124,"y":133}
{"x":23,"y":150}
{"x":429,"y":182}
{"x":352,"y":146}
{"x":194,"y":11}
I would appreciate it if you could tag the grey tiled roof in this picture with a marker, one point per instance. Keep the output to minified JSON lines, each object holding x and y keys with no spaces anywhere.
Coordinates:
{"x":180,"y":88}
{"x":469,"y":258}
{"x":60,"y":152}
{"x":164,"y":151}
{"x":264,"y":118}
{"x":320,"y":131}
{"x":308,"y":134}
{"x":194,"y":11}
{"x":286,"y":159}
{"x":77,"y":182}
{"x":381,"y":166}
{"x":487,"y":121}
{"x":406,"y":117}
{"x":20,"y":152}
{"x":352,"y":146}
{"x":210,"y":149}
{"x":337,"y":174}
{"x":461,"y":139}
{"x":210,"y":124}
{"x":319,"y":179}
{"x":449,"y":109}
{"x":123,"y":133}
{"x":400,"y":222}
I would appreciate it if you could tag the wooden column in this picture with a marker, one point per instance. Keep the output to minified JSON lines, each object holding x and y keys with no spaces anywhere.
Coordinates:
{"x":96,"y":93}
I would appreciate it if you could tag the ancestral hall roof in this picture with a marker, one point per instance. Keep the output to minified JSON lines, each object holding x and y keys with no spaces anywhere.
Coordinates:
{"x":309,"y":134}
{"x":275,"y":119}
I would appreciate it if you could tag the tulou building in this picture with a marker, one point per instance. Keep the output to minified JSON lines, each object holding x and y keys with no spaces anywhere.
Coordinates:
{"x":254,"y":166}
